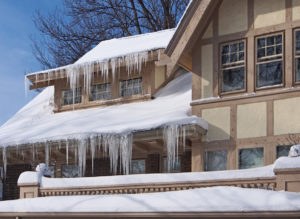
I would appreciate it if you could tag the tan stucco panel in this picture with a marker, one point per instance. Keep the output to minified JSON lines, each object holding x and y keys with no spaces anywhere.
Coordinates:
{"x":287,"y":116}
{"x":296,"y":10}
{"x":233,"y":16}
{"x":252,"y":120}
{"x":209,"y":31}
{"x":207,"y":71}
{"x":268,"y":12}
{"x":159,"y":75}
{"x":218,"y":123}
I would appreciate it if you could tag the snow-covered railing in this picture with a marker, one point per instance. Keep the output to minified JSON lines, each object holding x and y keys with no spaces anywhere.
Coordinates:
{"x":284,"y":174}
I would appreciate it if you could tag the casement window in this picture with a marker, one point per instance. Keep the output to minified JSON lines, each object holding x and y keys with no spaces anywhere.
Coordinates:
{"x":269,"y":60}
{"x":251,"y":157}
{"x":131,"y":87}
{"x":100,"y":92}
{"x":138,"y":166}
{"x":67,"y":96}
{"x":70,"y":171}
{"x":297,"y":55}
{"x":215,"y":160}
{"x":282,"y":150}
{"x":233,"y":66}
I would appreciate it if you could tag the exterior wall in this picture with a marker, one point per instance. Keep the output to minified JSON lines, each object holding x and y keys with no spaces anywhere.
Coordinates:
{"x":160,"y":76}
{"x":267,"y":117}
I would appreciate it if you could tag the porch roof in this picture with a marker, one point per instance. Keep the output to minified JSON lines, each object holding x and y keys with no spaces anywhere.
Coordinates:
{"x":36,"y":122}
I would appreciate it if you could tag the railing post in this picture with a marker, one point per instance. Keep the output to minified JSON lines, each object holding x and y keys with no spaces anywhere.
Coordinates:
{"x":288,"y":179}
{"x":29,"y":190}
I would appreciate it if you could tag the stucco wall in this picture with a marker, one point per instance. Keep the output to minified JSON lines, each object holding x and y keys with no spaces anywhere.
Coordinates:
{"x":209,"y":31}
{"x":207,"y":71}
{"x":252,"y":120}
{"x":268,"y":12}
{"x":296,"y":10}
{"x":233,"y":16}
{"x":159,"y":75}
{"x":287,"y":116}
{"x":218,"y":123}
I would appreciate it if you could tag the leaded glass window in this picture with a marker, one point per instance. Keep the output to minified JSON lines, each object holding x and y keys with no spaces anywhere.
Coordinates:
{"x":297,"y":55}
{"x":251,"y":157}
{"x":282,"y":150}
{"x":131,"y":87}
{"x":138,"y":166}
{"x":67,"y":96}
{"x":70,"y":171}
{"x":215,"y":160}
{"x":100,"y":92}
{"x":233,"y":66}
{"x":269,"y":60}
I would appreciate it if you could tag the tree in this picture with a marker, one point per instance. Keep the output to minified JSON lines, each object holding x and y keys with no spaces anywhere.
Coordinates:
{"x":69,"y":33}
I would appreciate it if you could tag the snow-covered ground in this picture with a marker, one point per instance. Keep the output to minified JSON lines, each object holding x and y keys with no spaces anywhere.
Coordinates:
{"x":214,"y":199}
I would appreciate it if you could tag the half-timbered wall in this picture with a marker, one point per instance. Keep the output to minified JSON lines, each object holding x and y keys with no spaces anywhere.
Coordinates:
{"x":261,"y":117}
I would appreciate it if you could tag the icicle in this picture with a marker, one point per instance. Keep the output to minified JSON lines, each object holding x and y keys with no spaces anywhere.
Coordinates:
{"x":93,"y":148}
{"x":47,"y":153}
{"x":126,"y":152}
{"x":67,"y":152}
{"x":82,"y":156}
{"x":26,"y":84}
{"x":4,"y":159}
{"x":171,"y":135}
{"x":33,"y":152}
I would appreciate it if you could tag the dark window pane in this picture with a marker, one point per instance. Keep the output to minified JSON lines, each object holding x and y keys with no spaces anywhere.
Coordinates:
{"x":297,"y":69}
{"x":261,"y":43}
{"x":278,"y":39}
{"x":70,"y":171}
{"x":270,"y":41}
{"x":282,"y":150}
{"x":269,"y":74}
{"x":233,"y":57}
{"x":233,"y":48}
{"x":225,"y":49}
{"x":225,"y":59}
{"x":174,"y":168}
{"x":241,"y":56}
{"x":233,"y":79}
{"x":260,"y":53}
{"x":138,"y":166}
{"x":298,"y":35}
{"x":252,"y":157}
{"x":279,"y":49}
{"x":215,"y":160}
{"x":298,"y":47}
{"x":241,"y":46}
{"x":270,"y":51}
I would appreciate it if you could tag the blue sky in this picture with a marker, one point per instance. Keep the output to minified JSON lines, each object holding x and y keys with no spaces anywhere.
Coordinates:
{"x":16,"y":57}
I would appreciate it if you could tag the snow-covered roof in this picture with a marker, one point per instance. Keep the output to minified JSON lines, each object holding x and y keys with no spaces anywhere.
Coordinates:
{"x":213,"y":199}
{"x":121,"y":47}
{"x":36,"y":122}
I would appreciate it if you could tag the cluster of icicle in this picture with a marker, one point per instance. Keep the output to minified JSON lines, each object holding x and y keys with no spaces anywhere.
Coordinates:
{"x":118,"y":147}
{"x":75,"y":72}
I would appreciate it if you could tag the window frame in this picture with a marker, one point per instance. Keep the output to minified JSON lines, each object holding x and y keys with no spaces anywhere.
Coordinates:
{"x":268,"y":87}
{"x":220,"y":71}
{"x":62,"y":97}
{"x":97,"y":100}
{"x":127,"y":79}
{"x":294,"y":57}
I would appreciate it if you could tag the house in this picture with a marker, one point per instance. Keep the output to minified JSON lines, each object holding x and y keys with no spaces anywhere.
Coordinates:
{"x":237,"y":58}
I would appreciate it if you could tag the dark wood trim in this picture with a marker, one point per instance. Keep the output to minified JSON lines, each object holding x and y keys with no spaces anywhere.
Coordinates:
{"x":215,"y":55}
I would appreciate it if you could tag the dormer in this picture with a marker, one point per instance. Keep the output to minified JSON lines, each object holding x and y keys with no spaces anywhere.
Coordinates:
{"x":116,"y":71}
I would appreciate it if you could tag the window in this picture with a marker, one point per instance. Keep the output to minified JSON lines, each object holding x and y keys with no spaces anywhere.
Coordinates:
{"x":138,"y":166}
{"x":67,"y":96}
{"x":175,"y":168}
{"x":131,"y":87}
{"x":215,"y":160}
{"x":69,"y":171}
{"x":297,"y":55}
{"x":269,"y":60}
{"x":282,"y":150}
{"x":100,"y":92}
{"x":233,"y":66}
{"x":251,"y":157}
